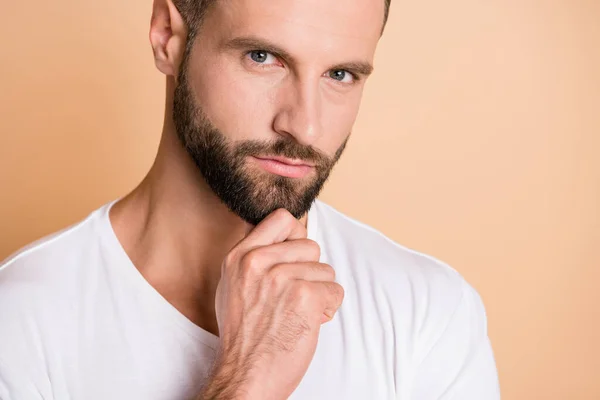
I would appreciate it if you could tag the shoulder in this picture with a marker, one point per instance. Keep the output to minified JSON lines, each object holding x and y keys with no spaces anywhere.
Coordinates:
{"x":409,"y":282}
{"x":369,"y":249}
{"x":39,"y":286}
{"x":49,"y":264}
{"x":435,"y":318}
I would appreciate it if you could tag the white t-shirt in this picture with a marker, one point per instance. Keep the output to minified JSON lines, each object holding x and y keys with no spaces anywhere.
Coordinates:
{"x":78,"y":321}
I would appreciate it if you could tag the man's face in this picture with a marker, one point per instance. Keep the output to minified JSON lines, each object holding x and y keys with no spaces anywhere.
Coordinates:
{"x":268,"y":79}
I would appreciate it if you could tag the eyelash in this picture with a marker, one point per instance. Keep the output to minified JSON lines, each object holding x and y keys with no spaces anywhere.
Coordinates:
{"x":355,"y":77}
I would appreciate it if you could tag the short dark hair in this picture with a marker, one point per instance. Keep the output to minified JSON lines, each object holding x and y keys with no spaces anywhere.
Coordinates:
{"x":193,"y":12}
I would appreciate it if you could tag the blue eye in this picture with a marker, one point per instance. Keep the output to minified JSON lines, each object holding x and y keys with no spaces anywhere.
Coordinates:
{"x":259,"y":56}
{"x":262,"y":57}
{"x":341,"y":75}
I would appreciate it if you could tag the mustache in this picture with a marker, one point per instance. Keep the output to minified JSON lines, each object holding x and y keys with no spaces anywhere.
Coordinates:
{"x":283,"y":148}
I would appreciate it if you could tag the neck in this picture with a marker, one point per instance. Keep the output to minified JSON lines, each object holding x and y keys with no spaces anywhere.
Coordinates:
{"x":177,"y":232}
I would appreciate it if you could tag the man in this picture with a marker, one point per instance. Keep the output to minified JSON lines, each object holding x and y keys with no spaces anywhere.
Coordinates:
{"x":220,"y":276}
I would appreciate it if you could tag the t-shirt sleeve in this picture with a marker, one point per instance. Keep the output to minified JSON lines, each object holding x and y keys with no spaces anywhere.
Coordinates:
{"x":460,"y":364}
{"x":23,"y":374}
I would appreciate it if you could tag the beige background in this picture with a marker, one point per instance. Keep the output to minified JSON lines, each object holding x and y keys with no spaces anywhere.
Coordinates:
{"x":477,"y":143}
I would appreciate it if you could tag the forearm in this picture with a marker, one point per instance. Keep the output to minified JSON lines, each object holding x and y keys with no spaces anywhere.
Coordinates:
{"x":226,"y":381}
{"x":223,"y":388}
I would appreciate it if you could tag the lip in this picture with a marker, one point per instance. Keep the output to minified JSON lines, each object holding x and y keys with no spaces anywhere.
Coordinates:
{"x":287,"y":161}
{"x":274,"y":166}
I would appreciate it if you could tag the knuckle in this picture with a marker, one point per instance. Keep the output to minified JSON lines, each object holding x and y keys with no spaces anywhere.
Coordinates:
{"x":338,"y":292}
{"x":230,"y":258}
{"x":278,"y":277}
{"x":328,"y":271}
{"x":250,"y":262}
{"x":312,"y":248}
{"x":302,"y":293}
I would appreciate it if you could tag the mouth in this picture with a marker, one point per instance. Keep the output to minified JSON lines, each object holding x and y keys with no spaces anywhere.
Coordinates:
{"x":284,"y":166}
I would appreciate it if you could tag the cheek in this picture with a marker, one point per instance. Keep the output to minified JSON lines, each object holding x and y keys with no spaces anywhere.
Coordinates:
{"x":338,"y":118}
{"x":240,"y":106}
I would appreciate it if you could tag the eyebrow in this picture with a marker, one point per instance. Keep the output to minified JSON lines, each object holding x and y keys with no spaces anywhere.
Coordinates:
{"x":250,"y":42}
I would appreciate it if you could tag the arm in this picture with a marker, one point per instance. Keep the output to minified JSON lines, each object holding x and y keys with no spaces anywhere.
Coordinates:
{"x":224,"y":383}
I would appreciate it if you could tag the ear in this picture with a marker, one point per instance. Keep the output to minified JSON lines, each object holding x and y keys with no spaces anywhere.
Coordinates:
{"x":168,"y":34}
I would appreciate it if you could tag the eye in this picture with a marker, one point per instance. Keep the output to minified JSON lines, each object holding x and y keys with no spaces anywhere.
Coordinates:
{"x":341,"y":75}
{"x":262,"y":57}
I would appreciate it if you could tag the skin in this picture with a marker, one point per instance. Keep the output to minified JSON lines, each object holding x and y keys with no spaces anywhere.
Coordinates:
{"x":183,"y":240}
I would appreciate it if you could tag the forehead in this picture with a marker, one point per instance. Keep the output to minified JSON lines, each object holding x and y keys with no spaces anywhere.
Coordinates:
{"x":351,"y":27}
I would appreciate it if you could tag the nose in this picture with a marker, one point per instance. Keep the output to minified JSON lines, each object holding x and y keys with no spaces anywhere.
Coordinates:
{"x":299,"y":111}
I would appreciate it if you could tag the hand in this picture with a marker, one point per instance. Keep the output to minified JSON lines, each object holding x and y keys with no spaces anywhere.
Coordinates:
{"x":272,"y":298}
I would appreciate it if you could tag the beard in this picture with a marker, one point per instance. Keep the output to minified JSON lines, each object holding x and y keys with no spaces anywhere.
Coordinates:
{"x":248,"y":191}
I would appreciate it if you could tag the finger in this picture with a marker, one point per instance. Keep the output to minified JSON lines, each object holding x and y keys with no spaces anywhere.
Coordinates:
{"x":331,"y":295}
{"x":325,"y":318}
{"x":291,"y":251}
{"x":277,"y":227}
{"x":312,"y":271}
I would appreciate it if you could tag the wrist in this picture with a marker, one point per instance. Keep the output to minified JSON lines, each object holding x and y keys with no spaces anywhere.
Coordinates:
{"x":226,"y":383}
